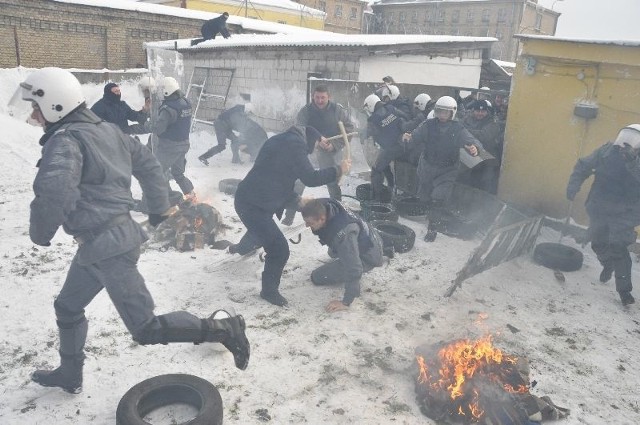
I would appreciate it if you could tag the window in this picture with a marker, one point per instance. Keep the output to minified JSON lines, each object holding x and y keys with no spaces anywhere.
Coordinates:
{"x":441,"y":15}
{"x":354,"y":14}
{"x":486,"y":14}
{"x":470,"y":16}
{"x":538,"y":21}
{"x":338,"y":12}
{"x":401,"y":17}
{"x":499,"y":34}
{"x":322,"y":5}
{"x":428,"y":17}
{"x":455,"y":16}
{"x":414,"y":17}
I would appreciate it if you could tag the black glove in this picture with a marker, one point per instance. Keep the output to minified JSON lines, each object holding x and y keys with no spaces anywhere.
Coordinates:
{"x":155,"y":219}
{"x":629,"y":153}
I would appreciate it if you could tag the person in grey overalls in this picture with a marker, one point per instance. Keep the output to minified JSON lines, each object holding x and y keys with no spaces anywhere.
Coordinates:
{"x":84,"y":185}
{"x":355,"y":246}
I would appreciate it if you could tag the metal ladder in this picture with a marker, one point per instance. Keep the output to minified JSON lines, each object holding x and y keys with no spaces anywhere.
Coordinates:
{"x":201,"y":95}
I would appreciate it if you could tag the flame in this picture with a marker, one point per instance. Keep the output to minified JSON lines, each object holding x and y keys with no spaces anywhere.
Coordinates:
{"x":461,"y":367}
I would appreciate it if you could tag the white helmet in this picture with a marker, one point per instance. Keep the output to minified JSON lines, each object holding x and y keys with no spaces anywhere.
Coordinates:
{"x":390,"y":91}
{"x":630,"y":135}
{"x":169,"y":86}
{"x":56,"y":91}
{"x":421,"y":101}
{"x":370,"y":103}
{"x":147,"y":83}
{"x":446,"y":103}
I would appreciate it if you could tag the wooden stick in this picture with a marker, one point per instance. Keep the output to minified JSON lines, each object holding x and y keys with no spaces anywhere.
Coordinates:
{"x":347,"y":145}
{"x":340,"y":136}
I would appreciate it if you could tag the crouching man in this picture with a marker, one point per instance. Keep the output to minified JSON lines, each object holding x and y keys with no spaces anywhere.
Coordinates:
{"x":355,"y":246}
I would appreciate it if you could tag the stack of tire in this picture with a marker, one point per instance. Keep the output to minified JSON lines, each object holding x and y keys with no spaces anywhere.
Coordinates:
{"x":395,"y":236}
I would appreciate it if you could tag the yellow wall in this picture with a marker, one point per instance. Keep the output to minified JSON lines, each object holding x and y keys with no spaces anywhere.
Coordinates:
{"x":544,"y":138}
{"x":257,"y":11}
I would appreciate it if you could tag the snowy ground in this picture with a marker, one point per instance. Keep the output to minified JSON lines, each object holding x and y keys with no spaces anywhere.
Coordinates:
{"x":307,"y":366}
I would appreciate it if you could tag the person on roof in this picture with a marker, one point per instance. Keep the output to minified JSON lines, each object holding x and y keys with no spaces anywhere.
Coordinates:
{"x":213,"y":27}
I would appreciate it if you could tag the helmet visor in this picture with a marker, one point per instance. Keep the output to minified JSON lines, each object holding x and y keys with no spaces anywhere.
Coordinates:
{"x":19,"y":105}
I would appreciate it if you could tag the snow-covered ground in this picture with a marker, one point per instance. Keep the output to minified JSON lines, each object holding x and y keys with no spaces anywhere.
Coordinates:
{"x":307,"y":366}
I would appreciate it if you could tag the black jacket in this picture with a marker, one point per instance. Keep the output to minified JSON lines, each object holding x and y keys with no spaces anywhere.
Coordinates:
{"x":283,"y":159}
{"x":114,"y":110}
{"x":214,"y":26}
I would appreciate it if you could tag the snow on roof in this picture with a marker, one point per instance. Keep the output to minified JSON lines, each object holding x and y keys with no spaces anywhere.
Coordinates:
{"x":277,"y":4}
{"x":319,"y":38}
{"x":245,"y":23}
{"x":630,"y":43}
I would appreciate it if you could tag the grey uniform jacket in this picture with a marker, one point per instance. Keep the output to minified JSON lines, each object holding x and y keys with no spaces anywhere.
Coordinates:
{"x":84,"y":181}
{"x":345,"y":247}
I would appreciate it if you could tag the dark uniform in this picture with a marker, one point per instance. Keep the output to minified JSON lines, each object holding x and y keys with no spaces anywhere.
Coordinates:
{"x":267,"y":190}
{"x":84,"y":184}
{"x":172,"y":129}
{"x":111,"y":109}
{"x":251,"y":134}
{"x":386,"y":128}
{"x":613,"y":206}
{"x":355,"y":245}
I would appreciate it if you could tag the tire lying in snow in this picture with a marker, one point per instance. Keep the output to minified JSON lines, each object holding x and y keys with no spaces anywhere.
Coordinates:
{"x":364,"y":192}
{"x":164,"y":390}
{"x":397,"y":235}
{"x":411,"y":206}
{"x":558,"y":257}
{"x":371,"y":210}
{"x":228,"y":186}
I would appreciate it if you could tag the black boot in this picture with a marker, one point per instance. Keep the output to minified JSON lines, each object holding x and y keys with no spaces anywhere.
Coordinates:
{"x":230,"y":332}
{"x":67,"y":376}
{"x":274,"y":297}
{"x":431,"y":232}
{"x":627,"y":298}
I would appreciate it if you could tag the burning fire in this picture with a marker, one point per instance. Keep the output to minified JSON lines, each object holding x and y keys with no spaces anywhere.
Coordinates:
{"x":465,"y":374}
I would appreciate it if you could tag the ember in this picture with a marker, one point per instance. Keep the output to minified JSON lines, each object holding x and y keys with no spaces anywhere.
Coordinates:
{"x":471,"y":382}
{"x":191,"y":227}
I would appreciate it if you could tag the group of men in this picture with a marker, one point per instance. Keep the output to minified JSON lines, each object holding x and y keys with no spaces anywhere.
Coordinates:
{"x":84,"y":178}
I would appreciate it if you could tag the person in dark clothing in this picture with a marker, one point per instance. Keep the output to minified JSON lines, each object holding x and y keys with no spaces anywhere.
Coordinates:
{"x":251,"y":137}
{"x":324,"y":115}
{"x":482,"y":125}
{"x":441,"y":139}
{"x":213,"y":27}
{"x":386,"y":127}
{"x":268,"y":189}
{"x":352,"y":242}
{"x":111,"y":109}
{"x":83,"y":184}
{"x":613,"y":204}
{"x":172,"y":131}
{"x":391,"y":96}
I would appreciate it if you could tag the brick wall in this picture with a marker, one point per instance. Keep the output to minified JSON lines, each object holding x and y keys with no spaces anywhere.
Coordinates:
{"x":76,"y":36}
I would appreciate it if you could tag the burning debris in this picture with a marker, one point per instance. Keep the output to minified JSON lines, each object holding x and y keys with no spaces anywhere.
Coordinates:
{"x":190,"y":228}
{"x":469,"y":382}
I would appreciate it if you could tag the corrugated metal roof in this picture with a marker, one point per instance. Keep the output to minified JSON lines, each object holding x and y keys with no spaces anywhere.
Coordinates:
{"x":323,"y":39}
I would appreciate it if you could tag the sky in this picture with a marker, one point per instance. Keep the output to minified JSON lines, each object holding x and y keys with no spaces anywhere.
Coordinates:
{"x":597,"y":19}
{"x":307,"y":366}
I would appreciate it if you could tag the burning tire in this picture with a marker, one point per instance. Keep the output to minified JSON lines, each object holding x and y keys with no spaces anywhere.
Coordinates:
{"x":228,"y":186}
{"x":558,"y":257}
{"x":364,"y":192}
{"x":411,"y":206}
{"x":165,"y":390}
{"x":395,"y":235}
{"x":377,"y":211}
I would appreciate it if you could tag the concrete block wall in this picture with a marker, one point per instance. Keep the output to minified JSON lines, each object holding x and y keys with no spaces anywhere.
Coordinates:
{"x":275,"y":79}
{"x":76,"y":36}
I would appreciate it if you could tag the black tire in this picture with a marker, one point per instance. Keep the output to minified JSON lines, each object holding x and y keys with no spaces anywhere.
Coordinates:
{"x":377,"y":211}
{"x":396,"y":235}
{"x":229,"y":186}
{"x":364,"y":192}
{"x":558,"y":257}
{"x":164,"y":390}
{"x":411,"y":206}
